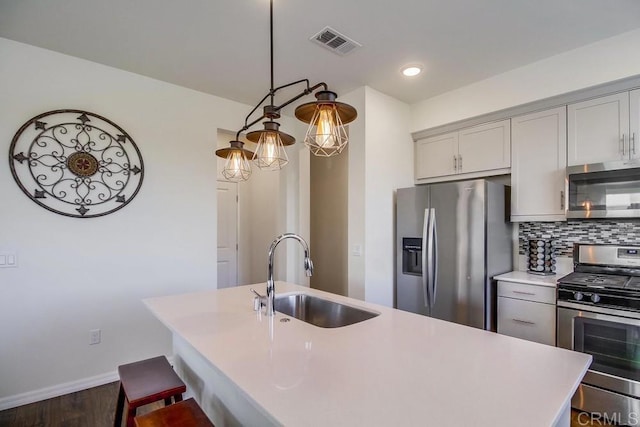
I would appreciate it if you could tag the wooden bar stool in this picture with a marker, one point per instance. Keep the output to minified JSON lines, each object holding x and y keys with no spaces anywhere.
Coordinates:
{"x":146,"y":382}
{"x":183,"y":414}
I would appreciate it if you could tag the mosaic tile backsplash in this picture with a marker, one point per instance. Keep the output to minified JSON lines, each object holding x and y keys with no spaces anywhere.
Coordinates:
{"x":565,"y":234}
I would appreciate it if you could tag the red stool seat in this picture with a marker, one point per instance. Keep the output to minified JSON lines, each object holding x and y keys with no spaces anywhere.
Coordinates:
{"x":145,"y":382}
{"x":183,"y":414}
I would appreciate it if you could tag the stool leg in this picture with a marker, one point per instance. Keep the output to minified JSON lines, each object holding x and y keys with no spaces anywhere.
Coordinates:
{"x":177,"y":397}
{"x":117,"y":422}
{"x":131,"y":414}
{"x":167,"y":401}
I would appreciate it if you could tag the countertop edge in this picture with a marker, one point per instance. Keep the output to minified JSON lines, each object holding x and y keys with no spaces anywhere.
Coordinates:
{"x":529,"y":279}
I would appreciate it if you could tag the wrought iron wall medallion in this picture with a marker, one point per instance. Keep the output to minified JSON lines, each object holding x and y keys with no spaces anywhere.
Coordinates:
{"x":76,"y":163}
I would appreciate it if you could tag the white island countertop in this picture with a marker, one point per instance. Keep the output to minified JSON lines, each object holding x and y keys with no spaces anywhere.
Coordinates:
{"x":398,"y":368}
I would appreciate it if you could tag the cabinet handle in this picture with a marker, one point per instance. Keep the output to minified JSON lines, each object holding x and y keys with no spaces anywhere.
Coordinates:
{"x":524,"y":293}
{"x":561,"y":200}
{"x":623,"y":144}
{"x":455,"y":162}
{"x":524,"y":321}
{"x":633,"y":145}
{"x":460,"y":162}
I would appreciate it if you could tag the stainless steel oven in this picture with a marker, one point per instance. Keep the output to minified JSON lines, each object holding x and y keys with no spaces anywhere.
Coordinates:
{"x":612,"y":384}
{"x":599,"y":314}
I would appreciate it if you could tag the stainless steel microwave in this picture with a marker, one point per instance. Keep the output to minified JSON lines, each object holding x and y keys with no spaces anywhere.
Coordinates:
{"x":604,"y":190}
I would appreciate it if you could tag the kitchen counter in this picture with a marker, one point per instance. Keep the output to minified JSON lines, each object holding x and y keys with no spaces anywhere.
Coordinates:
{"x":398,"y":368}
{"x":530,"y":279}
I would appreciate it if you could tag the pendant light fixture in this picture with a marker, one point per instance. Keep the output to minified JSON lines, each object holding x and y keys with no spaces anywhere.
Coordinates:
{"x":236,"y":167}
{"x":326,"y":135}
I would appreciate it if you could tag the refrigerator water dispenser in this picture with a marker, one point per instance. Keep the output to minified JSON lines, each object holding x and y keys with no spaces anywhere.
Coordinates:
{"x":412,"y":256}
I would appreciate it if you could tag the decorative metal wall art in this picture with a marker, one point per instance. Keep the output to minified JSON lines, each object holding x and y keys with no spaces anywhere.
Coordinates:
{"x":76,"y":163}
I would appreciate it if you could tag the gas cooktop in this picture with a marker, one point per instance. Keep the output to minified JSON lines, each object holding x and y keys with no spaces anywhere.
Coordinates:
{"x":602,"y":281}
{"x":604,"y":275}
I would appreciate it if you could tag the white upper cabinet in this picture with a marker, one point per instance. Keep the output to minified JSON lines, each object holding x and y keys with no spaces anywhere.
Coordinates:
{"x":484,"y":147}
{"x":538,"y":162}
{"x":634,"y":108}
{"x":436,"y":156}
{"x":476,"y":151}
{"x":598,"y":130}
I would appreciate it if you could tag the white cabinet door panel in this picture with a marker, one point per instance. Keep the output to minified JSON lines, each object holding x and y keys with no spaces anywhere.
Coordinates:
{"x":538,"y":164}
{"x":634,"y":111}
{"x":545,"y":294}
{"x":435,"y":156}
{"x":485,"y":147}
{"x":598,"y":130}
{"x":533,"y":321}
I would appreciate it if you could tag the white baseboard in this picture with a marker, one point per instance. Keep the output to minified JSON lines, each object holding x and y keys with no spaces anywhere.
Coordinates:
{"x":61,"y":389}
{"x":57,"y":390}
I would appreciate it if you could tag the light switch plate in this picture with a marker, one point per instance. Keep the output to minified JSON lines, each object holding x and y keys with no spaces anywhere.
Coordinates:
{"x":8,"y":260}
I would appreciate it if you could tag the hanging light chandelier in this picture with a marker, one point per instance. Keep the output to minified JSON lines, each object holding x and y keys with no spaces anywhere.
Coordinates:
{"x":326,"y":135}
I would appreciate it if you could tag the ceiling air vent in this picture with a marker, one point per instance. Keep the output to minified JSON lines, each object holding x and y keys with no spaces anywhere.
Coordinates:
{"x":334,"y":41}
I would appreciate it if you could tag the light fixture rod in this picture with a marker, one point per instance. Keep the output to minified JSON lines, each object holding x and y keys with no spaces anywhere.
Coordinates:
{"x":271,"y":43}
{"x":271,"y":93}
{"x":272,"y":90}
{"x":300,"y":95}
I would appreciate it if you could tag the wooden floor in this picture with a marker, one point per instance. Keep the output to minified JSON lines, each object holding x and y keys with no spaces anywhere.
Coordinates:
{"x":95,"y":408}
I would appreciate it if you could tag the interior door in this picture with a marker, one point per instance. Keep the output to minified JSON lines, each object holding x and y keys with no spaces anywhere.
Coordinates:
{"x":227,"y":234}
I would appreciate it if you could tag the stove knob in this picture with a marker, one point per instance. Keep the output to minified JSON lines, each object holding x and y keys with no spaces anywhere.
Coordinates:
{"x":595,"y":298}
{"x":578,"y":296}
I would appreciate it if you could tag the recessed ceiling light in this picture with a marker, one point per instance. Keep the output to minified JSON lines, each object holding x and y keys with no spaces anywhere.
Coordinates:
{"x":411,"y":70}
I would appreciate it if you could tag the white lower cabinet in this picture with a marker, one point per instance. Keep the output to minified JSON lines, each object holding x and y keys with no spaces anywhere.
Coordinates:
{"x":527,"y":311}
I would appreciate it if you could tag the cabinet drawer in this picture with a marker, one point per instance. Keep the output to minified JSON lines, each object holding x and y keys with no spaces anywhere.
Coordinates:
{"x":533,"y":321}
{"x":546,"y":294}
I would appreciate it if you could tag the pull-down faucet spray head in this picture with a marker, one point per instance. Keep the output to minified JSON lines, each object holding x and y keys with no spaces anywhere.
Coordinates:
{"x":308,"y":264}
{"x":271,"y":287}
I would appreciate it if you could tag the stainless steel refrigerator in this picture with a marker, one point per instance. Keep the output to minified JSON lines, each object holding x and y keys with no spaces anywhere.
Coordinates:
{"x":452,"y":238}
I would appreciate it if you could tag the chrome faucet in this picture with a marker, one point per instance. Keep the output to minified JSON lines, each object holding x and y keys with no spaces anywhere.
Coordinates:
{"x":308,"y":267}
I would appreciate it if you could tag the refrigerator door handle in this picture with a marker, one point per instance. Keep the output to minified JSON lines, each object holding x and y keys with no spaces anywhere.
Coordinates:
{"x":426,"y":256}
{"x":433,"y":249}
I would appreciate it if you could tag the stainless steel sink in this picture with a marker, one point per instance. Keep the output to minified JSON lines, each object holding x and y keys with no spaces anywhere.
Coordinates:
{"x":321,"y":312}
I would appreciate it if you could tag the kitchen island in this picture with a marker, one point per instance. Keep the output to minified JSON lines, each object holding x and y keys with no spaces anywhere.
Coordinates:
{"x":397,"y":368}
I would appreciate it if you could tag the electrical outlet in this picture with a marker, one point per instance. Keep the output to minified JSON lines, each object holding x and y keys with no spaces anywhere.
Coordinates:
{"x":94,"y":336}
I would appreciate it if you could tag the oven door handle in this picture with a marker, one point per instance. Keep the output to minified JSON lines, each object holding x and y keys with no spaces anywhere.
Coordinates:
{"x":603,"y":313}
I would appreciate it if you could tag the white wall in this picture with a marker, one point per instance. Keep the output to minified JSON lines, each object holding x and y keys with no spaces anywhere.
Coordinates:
{"x":356,"y":194}
{"x":607,"y":60}
{"x":388,"y":166}
{"x":79,"y":274}
{"x":380,"y":161}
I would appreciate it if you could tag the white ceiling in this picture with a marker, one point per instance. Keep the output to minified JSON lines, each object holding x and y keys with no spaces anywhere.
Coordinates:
{"x":222,"y":46}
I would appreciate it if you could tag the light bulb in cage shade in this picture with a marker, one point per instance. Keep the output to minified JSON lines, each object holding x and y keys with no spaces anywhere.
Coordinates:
{"x":270,"y":154}
{"x":237,"y":167}
{"x":326,"y":135}
{"x":325,"y":127}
